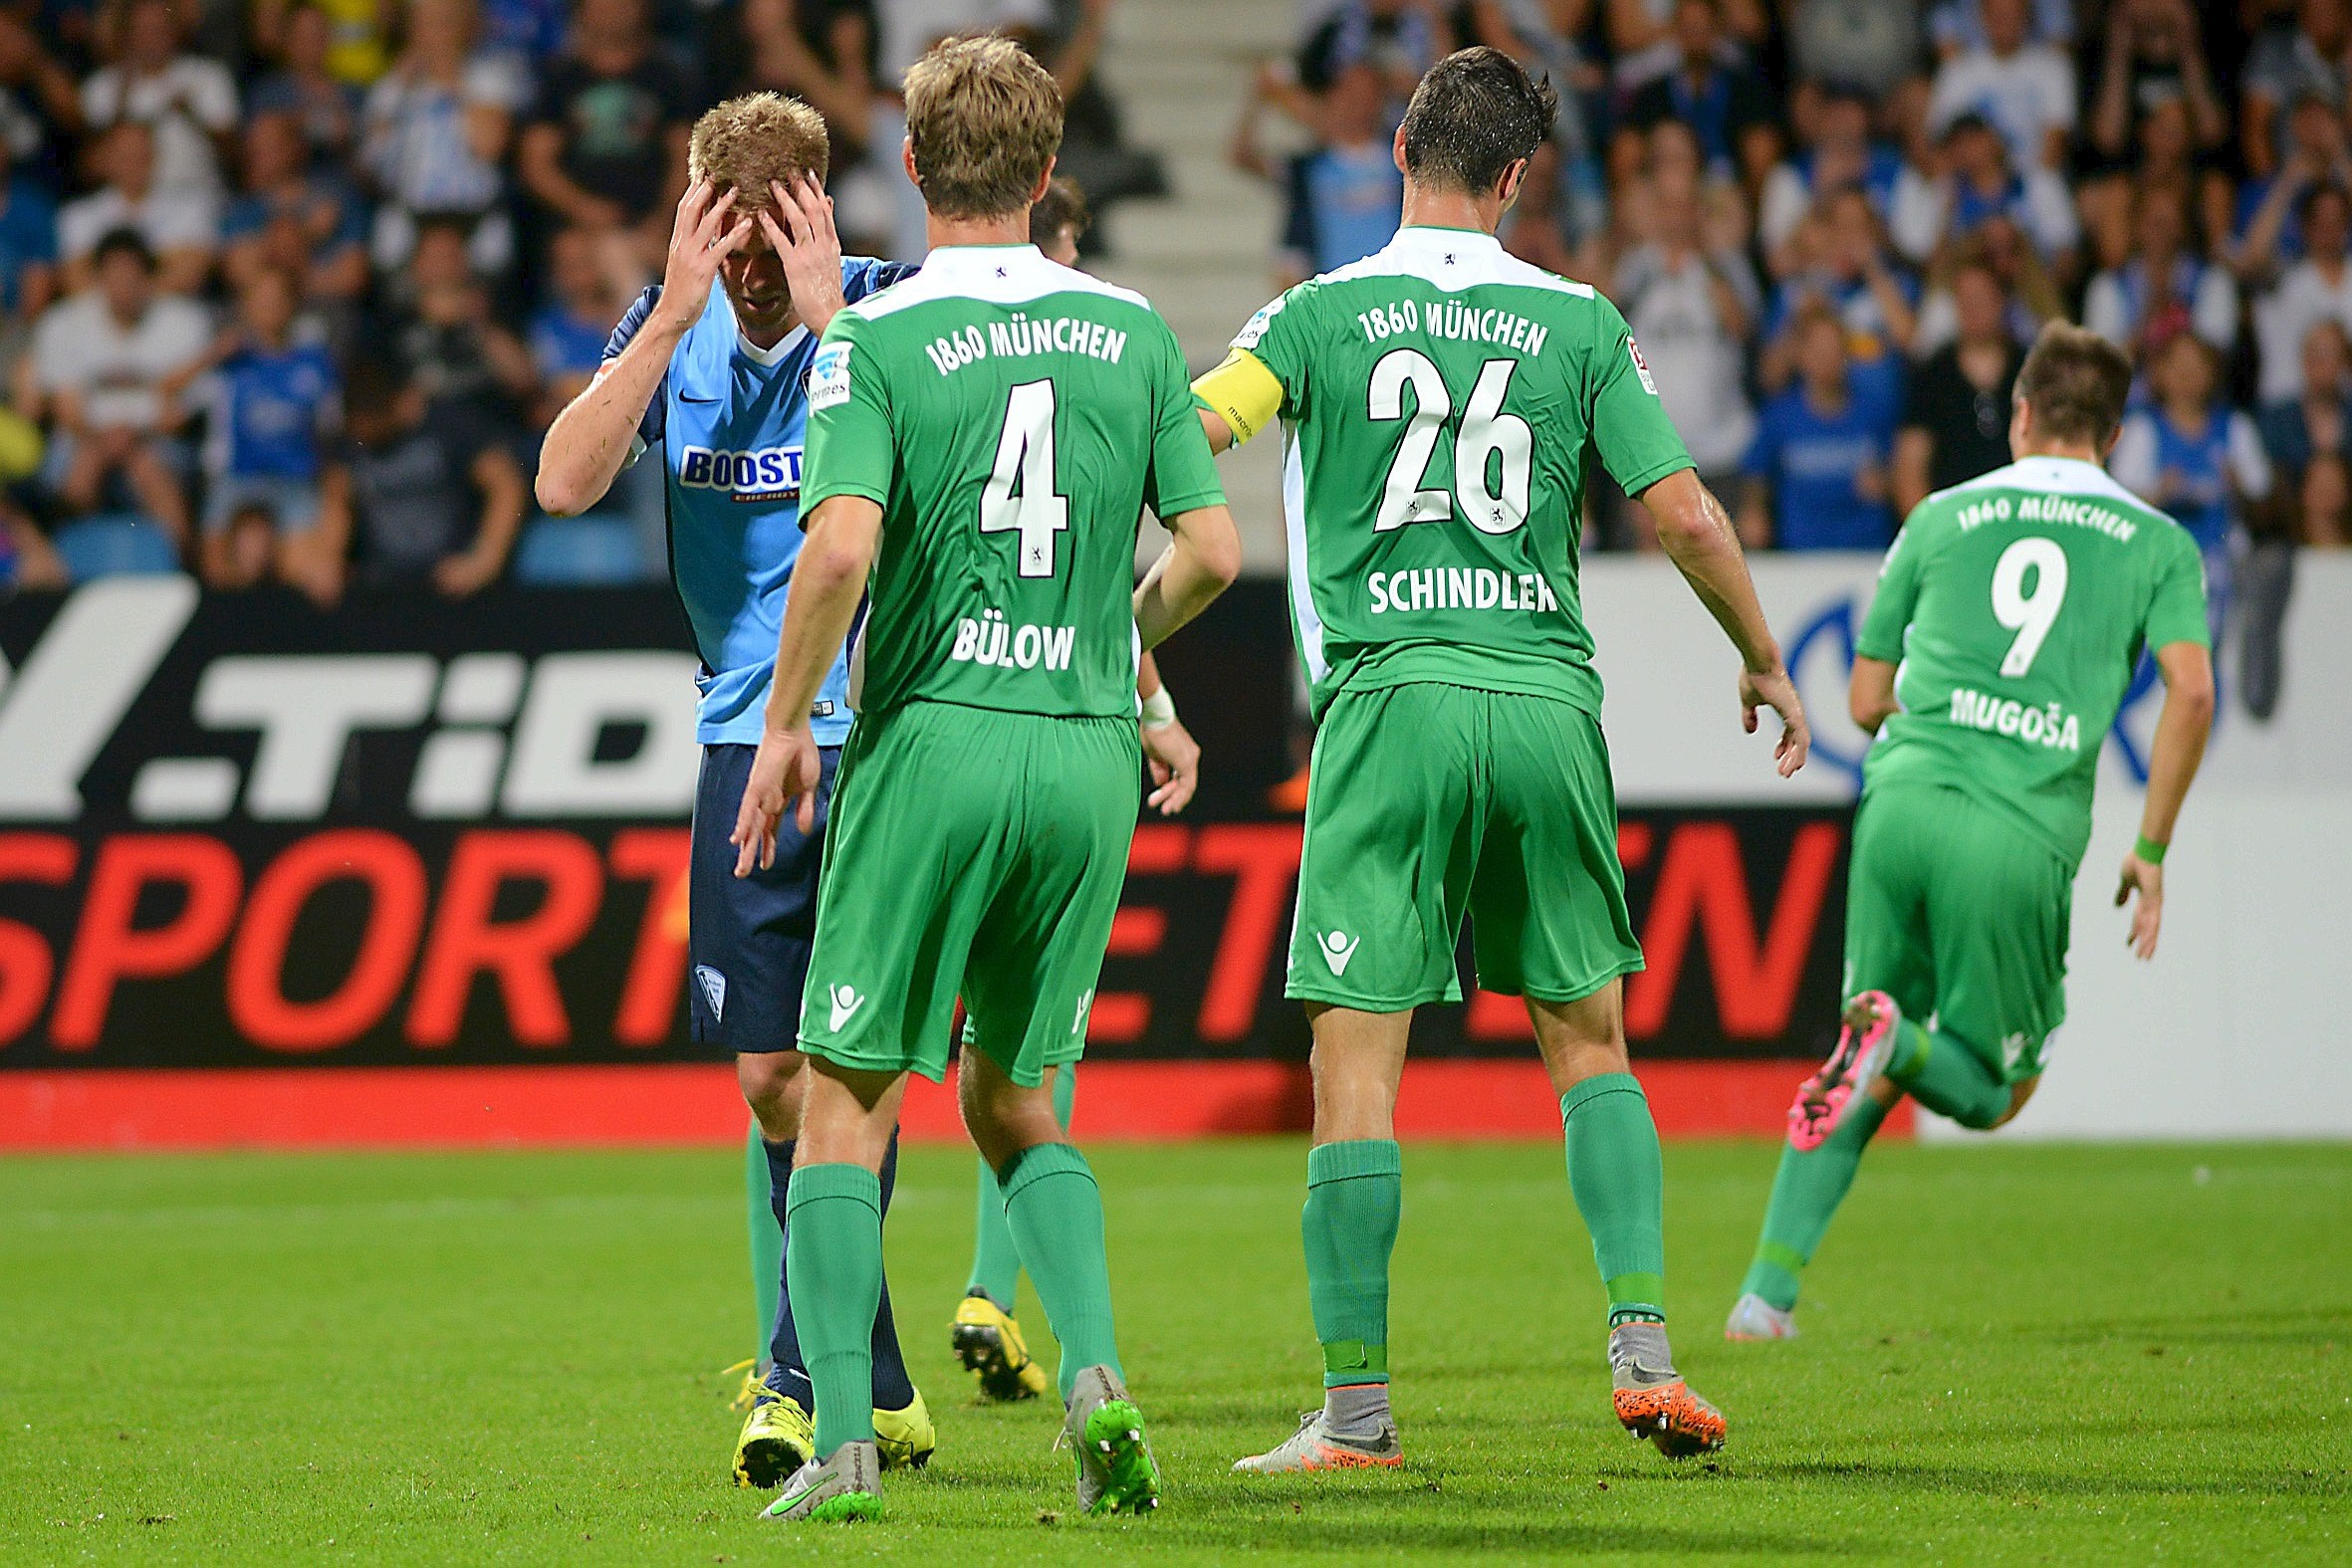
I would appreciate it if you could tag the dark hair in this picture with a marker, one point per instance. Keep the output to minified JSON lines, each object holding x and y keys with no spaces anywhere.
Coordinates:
{"x":1476,"y":114}
{"x":2316,"y":193}
{"x":1062,"y":207}
{"x":125,"y":241}
{"x":374,"y":383}
{"x":2076,"y":384}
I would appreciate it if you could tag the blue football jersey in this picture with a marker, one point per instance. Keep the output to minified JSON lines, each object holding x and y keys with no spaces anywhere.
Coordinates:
{"x":728,"y":420}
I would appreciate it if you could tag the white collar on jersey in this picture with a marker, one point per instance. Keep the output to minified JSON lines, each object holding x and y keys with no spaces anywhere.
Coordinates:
{"x":993,"y":274}
{"x":2068,"y":476}
{"x":752,"y":350}
{"x":1453,"y":260}
{"x":770,"y":357}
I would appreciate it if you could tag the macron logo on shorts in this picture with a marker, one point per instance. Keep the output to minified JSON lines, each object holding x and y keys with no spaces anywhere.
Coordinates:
{"x":844,"y":1001}
{"x":714,"y":989}
{"x":1338,"y":947}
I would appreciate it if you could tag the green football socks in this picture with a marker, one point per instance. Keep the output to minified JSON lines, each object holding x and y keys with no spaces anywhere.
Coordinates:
{"x":1619,"y":1181}
{"x":996,"y":1261}
{"x":834,"y":1242}
{"x":1805,"y":1195}
{"x":766,"y":1241}
{"x":1941,"y":1073}
{"x":1054,"y":1211}
{"x":1355,"y":1194}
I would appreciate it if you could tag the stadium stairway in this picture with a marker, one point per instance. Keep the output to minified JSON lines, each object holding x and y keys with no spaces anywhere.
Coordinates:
{"x":1180,"y":69}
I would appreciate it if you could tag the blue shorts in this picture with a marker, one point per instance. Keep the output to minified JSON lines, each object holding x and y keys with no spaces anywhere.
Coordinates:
{"x":748,"y":939}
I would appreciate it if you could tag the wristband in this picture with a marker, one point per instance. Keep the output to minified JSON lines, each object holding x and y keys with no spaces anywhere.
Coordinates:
{"x":2150,"y":851}
{"x":1159,"y":710}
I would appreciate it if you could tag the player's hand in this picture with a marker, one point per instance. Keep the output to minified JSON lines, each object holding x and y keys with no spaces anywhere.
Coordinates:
{"x":706,"y":233}
{"x":802,"y":230}
{"x":1175,"y":761}
{"x":2149,"y":880}
{"x":786,"y":769}
{"x":1774,"y":690}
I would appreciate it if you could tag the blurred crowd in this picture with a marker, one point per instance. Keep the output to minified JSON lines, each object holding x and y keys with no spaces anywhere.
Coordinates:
{"x":289,"y":288}
{"x":1834,"y":225}
{"x":288,"y":291}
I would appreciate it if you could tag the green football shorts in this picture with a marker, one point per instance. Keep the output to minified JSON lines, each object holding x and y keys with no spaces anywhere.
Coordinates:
{"x":1962,"y":916}
{"x":971,"y":854}
{"x":1427,"y":801}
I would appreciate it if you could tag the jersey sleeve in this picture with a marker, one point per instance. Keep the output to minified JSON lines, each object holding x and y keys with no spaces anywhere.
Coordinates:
{"x":863,"y":275}
{"x":1636,"y":440}
{"x":1890,"y":610}
{"x":1183,"y":475}
{"x":851,"y":448}
{"x":2176,"y":611}
{"x":655,"y":417}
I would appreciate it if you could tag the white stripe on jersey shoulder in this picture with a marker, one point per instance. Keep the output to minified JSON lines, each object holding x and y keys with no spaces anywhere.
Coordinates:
{"x":1454,"y":259}
{"x":2066,"y":476}
{"x":992,"y":274}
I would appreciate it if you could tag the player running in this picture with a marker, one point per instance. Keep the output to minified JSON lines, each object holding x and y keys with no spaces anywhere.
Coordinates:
{"x":982,"y":441}
{"x":1437,"y":398}
{"x":2009,"y":618}
{"x":713,"y":377}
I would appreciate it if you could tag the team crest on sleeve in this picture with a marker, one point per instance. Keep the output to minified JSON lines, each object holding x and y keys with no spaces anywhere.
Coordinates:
{"x":1641,"y":368}
{"x":828,"y":376}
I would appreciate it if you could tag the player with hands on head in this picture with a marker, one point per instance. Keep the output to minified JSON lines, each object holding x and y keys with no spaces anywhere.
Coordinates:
{"x":708,"y":369}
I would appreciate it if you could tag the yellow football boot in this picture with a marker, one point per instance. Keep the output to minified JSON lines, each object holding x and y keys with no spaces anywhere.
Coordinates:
{"x":905,"y":1437}
{"x":778,"y":1439}
{"x":989,"y":1344}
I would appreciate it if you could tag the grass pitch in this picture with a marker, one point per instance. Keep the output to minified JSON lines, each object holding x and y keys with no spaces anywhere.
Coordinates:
{"x":2012,"y":1354}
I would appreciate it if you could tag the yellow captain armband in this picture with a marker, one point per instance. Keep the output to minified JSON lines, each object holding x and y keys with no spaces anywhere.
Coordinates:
{"x":1242,"y":393}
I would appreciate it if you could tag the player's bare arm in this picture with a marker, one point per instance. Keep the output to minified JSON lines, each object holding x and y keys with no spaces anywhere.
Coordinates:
{"x":588,"y":443}
{"x":1699,"y":538}
{"x":1169,"y":750}
{"x":2181,"y":731}
{"x":1870,"y":695}
{"x":1199,"y":564}
{"x":827,"y":583}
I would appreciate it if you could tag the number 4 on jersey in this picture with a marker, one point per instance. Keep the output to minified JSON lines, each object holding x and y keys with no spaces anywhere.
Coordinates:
{"x":1019,"y":496}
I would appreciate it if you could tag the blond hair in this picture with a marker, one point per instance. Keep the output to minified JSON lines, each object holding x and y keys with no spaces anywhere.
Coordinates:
{"x":984,"y":119}
{"x":745,"y":142}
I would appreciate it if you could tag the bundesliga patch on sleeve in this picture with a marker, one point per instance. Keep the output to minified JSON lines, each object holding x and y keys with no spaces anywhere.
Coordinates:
{"x":1254,"y":328}
{"x":1641,"y":368}
{"x":828,"y":376}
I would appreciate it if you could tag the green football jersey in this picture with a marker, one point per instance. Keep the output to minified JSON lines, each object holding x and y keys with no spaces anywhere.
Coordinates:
{"x":1437,"y":399}
{"x":2015,"y":607}
{"x":1012,"y":417}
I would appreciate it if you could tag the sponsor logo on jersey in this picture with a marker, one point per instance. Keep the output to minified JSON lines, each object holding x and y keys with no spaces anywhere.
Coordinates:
{"x":992,"y":641}
{"x":770,"y":473}
{"x":1460,"y":588}
{"x":1641,"y":368}
{"x":844,"y":1003}
{"x":828,"y":376}
{"x":714,"y":989}
{"x":1337,"y":948}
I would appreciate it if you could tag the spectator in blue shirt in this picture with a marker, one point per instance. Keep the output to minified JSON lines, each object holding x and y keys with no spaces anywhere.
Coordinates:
{"x":28,"y":247}
{"x":567,"y":334}
{"x":271,"y":403}
{"x":293,"y":218}
{"x":1817,"y":473}
{"x":1345,"y":196}
{"x":323,"y":105}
